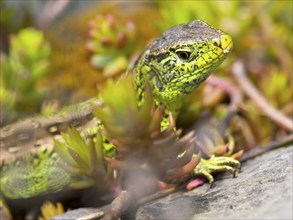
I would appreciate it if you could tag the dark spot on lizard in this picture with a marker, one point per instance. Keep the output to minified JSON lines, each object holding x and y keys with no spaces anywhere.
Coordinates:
{"x":167,"y":63}
{"x":89,"y":116}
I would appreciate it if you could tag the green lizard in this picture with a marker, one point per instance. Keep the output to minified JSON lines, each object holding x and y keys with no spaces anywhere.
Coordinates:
{"x":174,"y":65}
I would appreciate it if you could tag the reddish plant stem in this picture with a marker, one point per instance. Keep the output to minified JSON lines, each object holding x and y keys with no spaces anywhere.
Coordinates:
{"x":232,"y":91}
{"x":235,"y":99}
{"x":240,"y":75}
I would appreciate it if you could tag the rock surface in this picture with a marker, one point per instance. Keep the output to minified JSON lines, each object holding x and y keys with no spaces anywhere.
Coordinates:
{"x":263,"y":190}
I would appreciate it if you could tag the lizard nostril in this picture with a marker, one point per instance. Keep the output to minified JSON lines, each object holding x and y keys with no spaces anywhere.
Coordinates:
{"x":216,"y":42}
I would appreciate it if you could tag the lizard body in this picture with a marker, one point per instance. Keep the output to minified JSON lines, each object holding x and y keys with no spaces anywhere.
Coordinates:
{"x":174,"y":65}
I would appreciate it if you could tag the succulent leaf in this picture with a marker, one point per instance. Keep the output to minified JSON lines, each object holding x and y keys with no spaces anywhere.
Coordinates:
{"x":111,"y":43}
{"x":82,"y":156}
{"x":136,"y":131}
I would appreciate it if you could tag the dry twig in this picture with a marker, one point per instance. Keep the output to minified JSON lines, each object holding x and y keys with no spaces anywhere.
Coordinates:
{"x":239,"y":72}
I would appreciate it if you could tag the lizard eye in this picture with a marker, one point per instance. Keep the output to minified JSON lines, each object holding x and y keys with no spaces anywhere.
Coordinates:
{"x":183,"y":55}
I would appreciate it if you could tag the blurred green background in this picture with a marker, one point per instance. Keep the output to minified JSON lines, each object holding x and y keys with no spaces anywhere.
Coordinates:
{"x":55,"y":53}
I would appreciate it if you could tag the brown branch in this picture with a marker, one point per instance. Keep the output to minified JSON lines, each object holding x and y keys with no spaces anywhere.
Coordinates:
{"x":257,"y":151}
{"x":118,"y":206}
{"x":235,"y":99}
{"x":226,"y":86}
{"x":240,"y":75}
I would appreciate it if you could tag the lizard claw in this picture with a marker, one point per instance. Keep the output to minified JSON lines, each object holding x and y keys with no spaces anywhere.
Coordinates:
{"x":216,"y":165}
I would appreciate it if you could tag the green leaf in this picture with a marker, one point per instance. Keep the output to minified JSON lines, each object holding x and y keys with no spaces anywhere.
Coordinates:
{"x":74,"y":140}
{"x":78,"y":159}
{"x":61,"y":149}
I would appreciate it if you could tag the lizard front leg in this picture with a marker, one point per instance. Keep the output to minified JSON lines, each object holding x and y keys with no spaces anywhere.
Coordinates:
{"x":216,"y":165}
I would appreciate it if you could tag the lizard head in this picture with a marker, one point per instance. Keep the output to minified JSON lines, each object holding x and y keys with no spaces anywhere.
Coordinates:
{"x":180,"y":60}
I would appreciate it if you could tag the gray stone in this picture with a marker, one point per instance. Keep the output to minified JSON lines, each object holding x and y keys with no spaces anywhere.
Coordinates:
{"x":77,"y":213}
{"x":263,"y":190}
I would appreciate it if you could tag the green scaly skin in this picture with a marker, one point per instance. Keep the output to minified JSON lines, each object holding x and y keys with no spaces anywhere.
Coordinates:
{"x":174,"y":65}
{"x":179,"y":61}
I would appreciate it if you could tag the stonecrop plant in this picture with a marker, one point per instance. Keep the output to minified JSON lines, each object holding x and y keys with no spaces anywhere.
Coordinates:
{"x":136,"y":133}
{"x":21,"y":71}
{"x":112,"y":43}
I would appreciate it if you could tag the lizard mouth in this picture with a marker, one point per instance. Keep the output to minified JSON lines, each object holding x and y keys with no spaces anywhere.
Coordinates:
{"x":215,"y":55}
